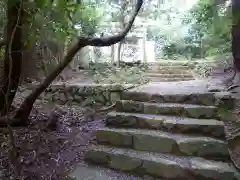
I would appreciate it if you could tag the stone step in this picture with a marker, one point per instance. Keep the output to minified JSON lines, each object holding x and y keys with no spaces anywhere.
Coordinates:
{"x":201,"y":98}
{"x":173,"y":67}
{"x":170,"y":71}
{"x":187,"y":110}
{"x":157,"y":79}
{"x":167,"y":63}
{"x":175,"y":124}
{"x":90,"y":172}
{"x":161,"y":165}
{"x":163,"y":142}
{"x":160,"y":75}
{"x":169,"y":80}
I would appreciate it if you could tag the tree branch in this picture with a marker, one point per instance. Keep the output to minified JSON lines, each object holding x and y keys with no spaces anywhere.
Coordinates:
{"x":27,"y":104}
{"x":108,"y":41}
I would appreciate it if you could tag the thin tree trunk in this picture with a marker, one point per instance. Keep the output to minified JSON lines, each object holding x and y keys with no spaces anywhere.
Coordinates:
{"x":13,"y":55}
{"x":119,"y":54}
{"x":112,"y":54}
{"x":144,"y":48}
{"x":122,"y":25}
{"x":202,"y":54}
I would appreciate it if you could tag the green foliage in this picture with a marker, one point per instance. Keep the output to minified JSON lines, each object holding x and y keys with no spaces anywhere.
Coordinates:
{"x":211,"y":25}
{"x":209,"y":33}
{"x":57,"y":20}
{"x":205,"y":67}
{"x":56,"y":23}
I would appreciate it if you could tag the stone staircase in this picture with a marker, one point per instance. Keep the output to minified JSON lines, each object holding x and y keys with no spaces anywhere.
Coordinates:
{"x":167,"y":136}
{"x":162,"y":72}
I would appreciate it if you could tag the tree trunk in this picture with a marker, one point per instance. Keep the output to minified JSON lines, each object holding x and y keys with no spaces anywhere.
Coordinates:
{"x":236,"y":33}
{"x":13,"y":55}
{"x":112,"y":54}
{"x":119,"y":54}
{"x":202,"y":53}
{"x":122,"y":25}
{"x":144,"y":48}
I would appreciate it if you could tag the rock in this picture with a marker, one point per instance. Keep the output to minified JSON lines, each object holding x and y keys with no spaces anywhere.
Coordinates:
{"x":163,"y":144}
{"x":118,"y":120}
{"x":202,"y":112}
{"x":98,"y":157}
{"x":127,"y":95}
{"x":210,"y":127}
{"x":204,"y":147}
{"x":193,"y":111}
{"x":146,"y":177}
{"x":114,"y":138}
{"x":224,"y":100}
{"x":129,"y":106}
{"x":162,"y":166}
{"x":213,"y":170}
{"x":114,"y":96}
{"x":124,"y":163}
{"x":62,"y":97}
{"x":78,"y":98}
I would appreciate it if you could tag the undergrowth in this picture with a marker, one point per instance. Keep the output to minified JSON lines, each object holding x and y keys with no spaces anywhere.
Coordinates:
{"x":122,"y":75}
{"x":205,"y":68}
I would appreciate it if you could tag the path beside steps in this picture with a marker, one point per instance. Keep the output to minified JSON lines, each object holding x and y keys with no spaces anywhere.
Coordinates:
{"x":168,"y":131}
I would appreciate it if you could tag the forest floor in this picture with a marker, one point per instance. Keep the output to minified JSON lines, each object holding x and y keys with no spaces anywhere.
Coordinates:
{"x":47,"y":154}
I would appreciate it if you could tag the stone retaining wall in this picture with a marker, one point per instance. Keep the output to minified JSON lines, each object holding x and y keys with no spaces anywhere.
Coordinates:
{"x":84,"y":94}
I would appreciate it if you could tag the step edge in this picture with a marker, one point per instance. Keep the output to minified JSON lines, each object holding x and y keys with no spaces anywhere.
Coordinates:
{"x":139,"y":115}
{"x":127,"y":152}
{"x":167,"y":103}
{"x":158,"y":134}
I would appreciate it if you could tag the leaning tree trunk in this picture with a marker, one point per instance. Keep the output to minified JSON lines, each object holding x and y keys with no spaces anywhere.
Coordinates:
{"x":13,"y":55}
{"x":236,"y":34}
